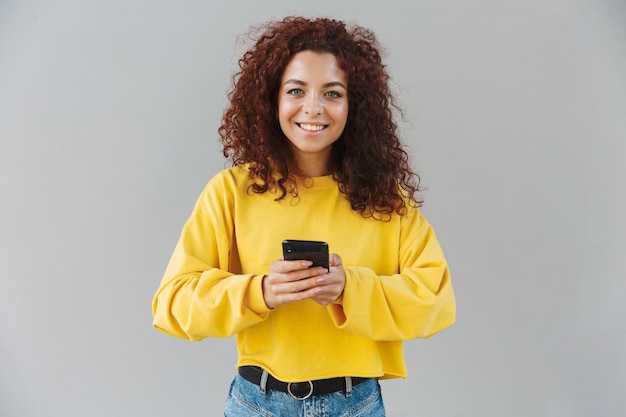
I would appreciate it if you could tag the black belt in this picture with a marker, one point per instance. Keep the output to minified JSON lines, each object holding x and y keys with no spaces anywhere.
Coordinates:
{"x":298,"y":390}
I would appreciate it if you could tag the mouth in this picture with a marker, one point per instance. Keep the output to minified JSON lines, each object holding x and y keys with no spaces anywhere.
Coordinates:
{"x":311,"y":127}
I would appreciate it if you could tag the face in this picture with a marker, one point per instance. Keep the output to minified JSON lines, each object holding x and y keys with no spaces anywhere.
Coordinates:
{"x":313,"y":106}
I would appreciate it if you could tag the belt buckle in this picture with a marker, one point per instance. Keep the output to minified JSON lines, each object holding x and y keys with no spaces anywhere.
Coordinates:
{"x":305,"y":396}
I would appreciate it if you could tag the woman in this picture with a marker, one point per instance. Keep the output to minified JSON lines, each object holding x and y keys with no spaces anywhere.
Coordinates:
{"x":316,"y":156}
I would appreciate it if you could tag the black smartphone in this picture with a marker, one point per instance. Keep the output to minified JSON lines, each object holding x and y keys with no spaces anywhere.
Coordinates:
{"x":308,"y":250}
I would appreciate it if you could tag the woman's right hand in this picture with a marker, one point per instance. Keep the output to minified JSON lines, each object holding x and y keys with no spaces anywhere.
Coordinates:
{"x":290,"y":281}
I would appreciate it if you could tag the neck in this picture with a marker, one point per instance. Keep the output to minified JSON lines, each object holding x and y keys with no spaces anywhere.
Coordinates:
{"x":312,"y":169}
{"x":313,"y":165}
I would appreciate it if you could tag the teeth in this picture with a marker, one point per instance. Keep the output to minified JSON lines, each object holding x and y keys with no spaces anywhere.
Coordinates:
{"x":312,"y":128}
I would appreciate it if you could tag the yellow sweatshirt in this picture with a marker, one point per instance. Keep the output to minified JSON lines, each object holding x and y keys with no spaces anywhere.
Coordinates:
{"x":397,"y":282}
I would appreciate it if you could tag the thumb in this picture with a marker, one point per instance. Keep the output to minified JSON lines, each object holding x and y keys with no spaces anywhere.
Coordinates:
{"x":334,"y":259}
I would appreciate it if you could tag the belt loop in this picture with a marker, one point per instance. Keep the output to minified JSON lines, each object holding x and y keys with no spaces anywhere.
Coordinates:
{"x":348,"y":386}
{"x":263,"y":382}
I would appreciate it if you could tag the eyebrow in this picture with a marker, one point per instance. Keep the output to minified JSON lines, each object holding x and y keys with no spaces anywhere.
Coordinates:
{"x":330,"y":84}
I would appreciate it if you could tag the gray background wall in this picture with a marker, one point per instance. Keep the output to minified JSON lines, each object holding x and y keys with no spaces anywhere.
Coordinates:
{"x":516,"y":118}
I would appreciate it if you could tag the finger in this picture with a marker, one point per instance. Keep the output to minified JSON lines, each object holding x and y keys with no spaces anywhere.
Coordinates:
{"x":304,"y":274}
{"x":288,"y":266}
{"x":327,"y":294}
{"x":334,"y":259}
{"x":284,"y":288}
{"x":278,"y":291}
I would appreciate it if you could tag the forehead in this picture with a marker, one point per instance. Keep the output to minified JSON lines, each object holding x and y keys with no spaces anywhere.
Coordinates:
{"x":311,"y":66}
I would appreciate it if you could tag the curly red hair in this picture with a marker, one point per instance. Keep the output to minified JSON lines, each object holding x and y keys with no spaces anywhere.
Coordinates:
{"x":372,"y":168}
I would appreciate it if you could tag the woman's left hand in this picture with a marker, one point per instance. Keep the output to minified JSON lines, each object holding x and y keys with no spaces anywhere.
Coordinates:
{"x":331,"y":285}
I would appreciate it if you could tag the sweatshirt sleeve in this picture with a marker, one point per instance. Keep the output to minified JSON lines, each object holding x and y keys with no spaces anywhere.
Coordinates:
{"x":415,"y":303}
{"x":199,"y":296}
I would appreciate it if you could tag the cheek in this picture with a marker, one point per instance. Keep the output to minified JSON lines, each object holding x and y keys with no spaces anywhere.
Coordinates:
{"x":341,"y":115}
{"x":284,"y":116}
{"x":285,"y":111}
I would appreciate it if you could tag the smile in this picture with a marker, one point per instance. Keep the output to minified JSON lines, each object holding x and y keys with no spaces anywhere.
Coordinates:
{"x":311,"y":128}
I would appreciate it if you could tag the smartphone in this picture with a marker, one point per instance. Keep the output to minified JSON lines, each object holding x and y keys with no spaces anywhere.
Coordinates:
{"x":308,"y":250}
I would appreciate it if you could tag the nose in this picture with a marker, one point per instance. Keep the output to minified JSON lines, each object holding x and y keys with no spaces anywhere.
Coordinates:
{"x":312,"y":105}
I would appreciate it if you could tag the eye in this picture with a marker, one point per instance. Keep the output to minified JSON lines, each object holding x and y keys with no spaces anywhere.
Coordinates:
{"x":334,"y":94}
{"x":295,"y":92}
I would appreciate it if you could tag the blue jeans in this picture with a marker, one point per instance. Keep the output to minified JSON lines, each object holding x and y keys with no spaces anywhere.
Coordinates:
{"x":245,"y":399}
